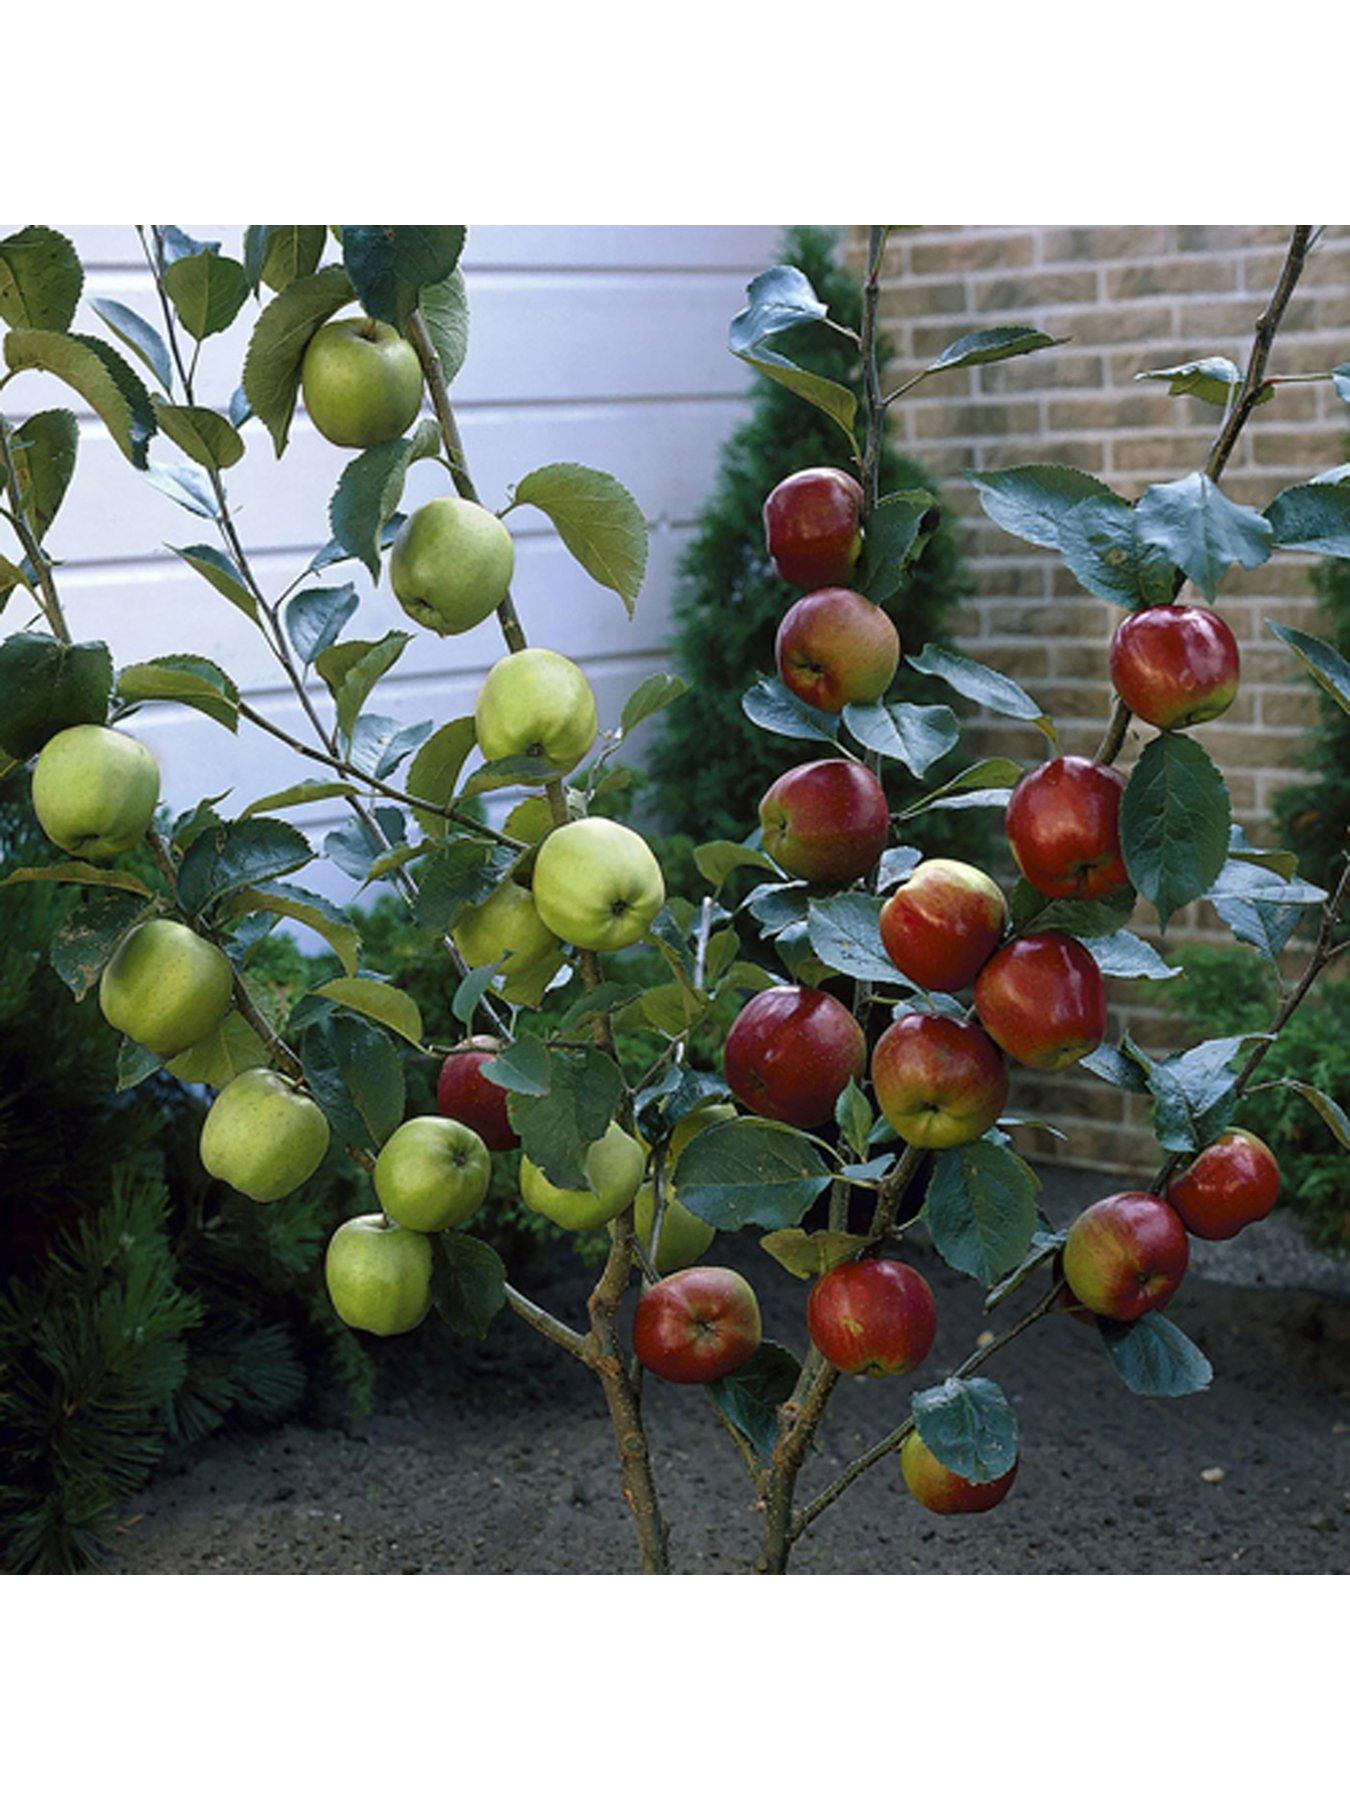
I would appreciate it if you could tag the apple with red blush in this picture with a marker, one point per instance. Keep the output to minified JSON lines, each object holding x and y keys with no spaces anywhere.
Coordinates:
{"x":791,"y":1052}
{"x":813,"y":527}
{"x":1063,"y":826}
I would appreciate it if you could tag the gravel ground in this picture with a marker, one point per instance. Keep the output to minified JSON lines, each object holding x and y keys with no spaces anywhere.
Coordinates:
{"x":497,"y":1458}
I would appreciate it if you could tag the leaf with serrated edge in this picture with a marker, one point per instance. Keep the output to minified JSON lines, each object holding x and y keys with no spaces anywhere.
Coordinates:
{"x":378,"y":1000}
{"x":597,"y":519}
{"x":750,"y":1172}
{"x":968,"y":1426}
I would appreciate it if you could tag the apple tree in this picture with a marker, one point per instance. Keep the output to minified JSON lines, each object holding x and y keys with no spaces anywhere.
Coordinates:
{"x":854,"y":1066}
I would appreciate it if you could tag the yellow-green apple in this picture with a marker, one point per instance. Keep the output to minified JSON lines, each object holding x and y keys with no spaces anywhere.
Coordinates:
{"x":597,"y":884}
{"x":836,"y":649}
{"x":432,"y":1174}
{"x":263,"y":1136}
{"x":1042,"y":1000}
{"x":1063,"y":825}
{"x":825,"y":821}
{"x":95,"y":791}
{"x":362,"y":382}
{"x":684,"y":1238}
{"x":812,"y":527}
{"x":1126,"y":1255}
{"x":536,"y":703}
{"x":451,"y":564}
{"x":1175,"y":665}
{"x":941,"y":1489}
{"x":791,"y":1052}
{"x":942,"y":924}
{"x":874,"y":1317}
{"x":614,"y":1166}
{"x":940,"y":1082}
{"x":505,"y":929}
{"x":379,"y":1275}
{"x":463,"y":1092}
{"x":165,"y":987}
{"x":1233,"y":1182}
{"x":697,"y":1325}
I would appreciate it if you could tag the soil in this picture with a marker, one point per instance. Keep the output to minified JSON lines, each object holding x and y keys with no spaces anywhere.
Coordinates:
{"x":497,"y":1458}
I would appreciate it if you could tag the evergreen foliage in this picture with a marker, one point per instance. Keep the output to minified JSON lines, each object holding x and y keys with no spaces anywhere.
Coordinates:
{"x":709,"y":763}
{"x":1313,"y":817}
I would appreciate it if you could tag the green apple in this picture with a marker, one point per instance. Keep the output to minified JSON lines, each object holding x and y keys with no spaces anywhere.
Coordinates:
{"x":433,"y":1174}
{"x":165,"y":987}
{"x":507,"y":929}
{"x":614,"y":1166}
{"x":451,"y":565}
{"x":263,"y":1136}
{"x":378,"y":1275}
{"x":362,"y":382}
{"x":597,"y":884}
{"x":684,"y":1237}
{"x":536,"y":703}
{"x":95,"y":791}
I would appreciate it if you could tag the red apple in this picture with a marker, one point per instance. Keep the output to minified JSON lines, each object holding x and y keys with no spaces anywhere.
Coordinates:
{"x":1126,"y":1255}
{"x":826,"y":821}
{"x":943,"y":924}
{"x":940,"y":1082}
{"x":791,"y":1052}
{"x":463,"y":1092}
{"x":1042,"y":999}
{"x":835,"y":648}
{"x":941,"y":1489}
{"x":872,"y":1318}
{"x":1233,"y":1182}
{"x":1063,"y":823}
{"x":1175,"y":665}
{"x":812,"y":529}
{"x":1081,"y":1315}
{"x":697,"y":1325}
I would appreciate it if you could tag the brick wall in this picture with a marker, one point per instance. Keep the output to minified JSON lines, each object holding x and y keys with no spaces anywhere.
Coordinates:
{"x":1129,"y":298}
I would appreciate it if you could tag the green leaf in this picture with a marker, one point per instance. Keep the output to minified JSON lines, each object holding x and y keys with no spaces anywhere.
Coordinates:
{"x":995,"y":344}
{"x":717,"y":860}
{"x":993,"y":773}
{"x":1033,"y":501}
{"x":207,"y":437}
{"x":238,"y":855}
{"x":750,"y":1172}
{"x":445,"y":309}
{"x":1267,"y":928}
{"x":807,"y":1254}
{"x":279,"y":254}
{"x":968,"y":1426}
{"x":352,"y":669}
{"x":557,"y":1128}
{"x":355,"y":1074}
{"x":1244,"y":880}
{"x":186,"y":486}
{"x":134,"y":1064}
{"x":230,"y":1049}
{"x":1174,"y":818}
{"x":779,"y":298}
{"x":460,"y":873}
{"x":1194,"y":1092}
{"x":1081,"y":918}
{"x":1154,"y":1357}
{"x":773,"y":708}
{"x":510,"y":771}
{"x":524,"y":1067}
{"x":379,"y":744}
{"x":1128,"y":957}
{"x":140,"y":338}
{"x":846,"y":935}
{"x":390,"y":265}
{"x":1109,"y":1065}
{"x":217,"y":568}
{"x":750,"y":1397}
{"x":369,"y":490}
{"x":187,"y":681}
{"x":897,"y":530}
{"x":1045,"y":1245}
{"x":43,"y":451}
{"x":80,"y":874}
{"x":46,"y":685}
{"x":649,"y":697}
{"x":41,"y":279}
{"x":279,"y":341}
{"x":434,"y":770}
{"x":387,"y":1005}
{"x":597,"y":519}
{"x":1315,"y":516}
{"x":917,"y":736}
{"x":99,"y":375}
{"x":86,"y":938}
{"x":1202,"y":531}
{"x":297,"y":903}
{"x":988,"y":688}
{"x":1323,"y":661}
{"x":315,"y":617}
{"x":1100,"y":541}
{"x":469,"y":994}
{"x":468,"y":1283}
{"x":854,"y":1118}
{"x":980,"y":1209}
{"x":207,"y":291}
{"x":1332,"y":1114}
{"x":1213,"y":379}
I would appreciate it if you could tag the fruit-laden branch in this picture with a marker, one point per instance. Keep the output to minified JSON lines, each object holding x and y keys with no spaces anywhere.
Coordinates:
{"x":1254,"y":386}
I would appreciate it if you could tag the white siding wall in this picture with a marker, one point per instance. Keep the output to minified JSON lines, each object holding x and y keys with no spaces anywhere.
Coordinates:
{"x":595,"y":344}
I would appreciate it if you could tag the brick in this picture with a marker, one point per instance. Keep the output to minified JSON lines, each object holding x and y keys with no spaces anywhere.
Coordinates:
{"x":1113,"y":411}
{"x":983,"y":418}
{"x":1044,"y":372}
{"x":1292,"y":706}
{"x":941,"y":252}
{"x":1300,"y":450}
{"x":1102,"y":243}
{"x":1199,"y":275}
{"x":1228,"y":237}
{"x":1030,"y":292}
{"x":1211,"y":319}
{"x":1127,"y":324}
{"x":921,"y":299}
